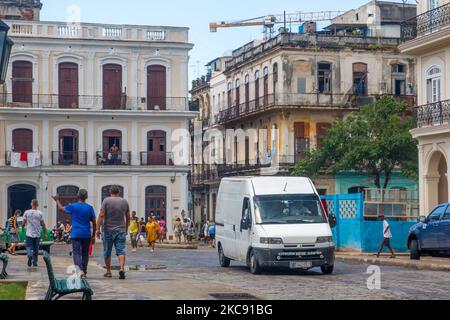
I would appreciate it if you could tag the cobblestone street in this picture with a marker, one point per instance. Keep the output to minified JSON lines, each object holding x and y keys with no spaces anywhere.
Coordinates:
{"x":195,"y":274}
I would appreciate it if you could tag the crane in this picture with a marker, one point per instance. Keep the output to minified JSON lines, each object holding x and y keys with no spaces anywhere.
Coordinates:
{"x":269,"y":21}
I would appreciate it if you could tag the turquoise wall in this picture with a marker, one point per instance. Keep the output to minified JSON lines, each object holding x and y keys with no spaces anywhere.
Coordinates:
{"x":347,"y":180}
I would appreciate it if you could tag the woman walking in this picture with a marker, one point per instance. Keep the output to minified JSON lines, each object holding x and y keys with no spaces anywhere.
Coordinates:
{"x":178,"y":228}
{"x":162,"y":230}
{"x":152,"y":228}
{"x":14,"y":232}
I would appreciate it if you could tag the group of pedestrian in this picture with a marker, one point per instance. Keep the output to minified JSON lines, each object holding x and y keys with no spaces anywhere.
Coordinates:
{"x":184,"y":229}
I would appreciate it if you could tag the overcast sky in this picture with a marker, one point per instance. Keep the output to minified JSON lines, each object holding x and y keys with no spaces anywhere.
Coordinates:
{"x":195,"y":14}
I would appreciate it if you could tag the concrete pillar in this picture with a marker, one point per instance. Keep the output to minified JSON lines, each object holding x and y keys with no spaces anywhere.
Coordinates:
{"x":431,"y":193}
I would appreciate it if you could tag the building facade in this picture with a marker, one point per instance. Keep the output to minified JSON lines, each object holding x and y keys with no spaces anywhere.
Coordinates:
{"x":90,"y":106}
{"x":289,"y":90}
{"x":427,"y":37}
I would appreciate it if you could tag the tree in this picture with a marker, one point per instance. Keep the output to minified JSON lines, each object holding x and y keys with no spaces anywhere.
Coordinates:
{"x":375,"y":141}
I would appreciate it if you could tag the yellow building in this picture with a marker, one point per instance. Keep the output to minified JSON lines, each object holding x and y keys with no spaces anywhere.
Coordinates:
{"x":90,"y":105}
{"x":427,"y":37}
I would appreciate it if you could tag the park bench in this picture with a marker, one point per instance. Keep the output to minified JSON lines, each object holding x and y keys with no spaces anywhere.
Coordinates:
{"x":59,"y":288}
{"x":4,"y":260}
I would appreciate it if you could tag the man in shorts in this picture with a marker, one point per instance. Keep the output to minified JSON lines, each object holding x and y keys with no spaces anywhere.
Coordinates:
{"x":387,"y":236}
{"x":114,"y":220}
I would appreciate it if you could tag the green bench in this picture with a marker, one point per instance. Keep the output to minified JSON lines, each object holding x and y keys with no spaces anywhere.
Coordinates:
{"x":4,"y":259}
{"x":59,"y":288}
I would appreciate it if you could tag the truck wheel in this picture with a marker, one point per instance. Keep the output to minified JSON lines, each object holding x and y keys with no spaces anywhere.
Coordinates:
{"x":415,"y":253}
{"x":254,"y":265}
{"x":327,"y":269}
{"x":224,"y":261}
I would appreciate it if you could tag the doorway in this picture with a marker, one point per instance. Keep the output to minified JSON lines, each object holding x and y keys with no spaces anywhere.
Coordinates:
{"x":20,"y":197}
{"x":156,"y":202}
{"x":156,"y":147}
{"x":68,"y":147}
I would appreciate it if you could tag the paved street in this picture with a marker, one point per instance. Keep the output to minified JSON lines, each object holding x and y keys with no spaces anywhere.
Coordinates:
{"x":195,"y":274}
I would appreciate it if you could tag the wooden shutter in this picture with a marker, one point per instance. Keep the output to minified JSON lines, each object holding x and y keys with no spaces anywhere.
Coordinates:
{"x":22,"y":81}
{"x":22,"y":140}
{"x":301,"y":130}
{"x":322,"y":132}
{"x":112,"y":86}
{"x":156,"y":87}
{"x":68,"y":85}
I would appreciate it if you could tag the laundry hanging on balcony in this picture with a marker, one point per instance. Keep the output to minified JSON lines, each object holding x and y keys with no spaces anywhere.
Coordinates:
{"x":26,"y":160}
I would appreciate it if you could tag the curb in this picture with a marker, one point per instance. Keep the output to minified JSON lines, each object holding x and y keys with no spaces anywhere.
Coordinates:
{"x":395,"y":263}
{"x":176,"y":247}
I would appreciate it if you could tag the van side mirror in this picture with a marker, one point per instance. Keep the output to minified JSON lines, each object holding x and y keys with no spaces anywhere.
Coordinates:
{"x":333,"y":221}
{"x":245,"y":224}
{"x":423,"y":219}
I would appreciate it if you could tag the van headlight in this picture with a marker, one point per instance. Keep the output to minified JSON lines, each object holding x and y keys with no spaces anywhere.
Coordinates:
{"x":324,"y":239}
{"x":271,"y":241}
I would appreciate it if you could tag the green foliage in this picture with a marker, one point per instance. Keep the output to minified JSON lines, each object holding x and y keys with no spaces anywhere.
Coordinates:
{"x":374,"y":141}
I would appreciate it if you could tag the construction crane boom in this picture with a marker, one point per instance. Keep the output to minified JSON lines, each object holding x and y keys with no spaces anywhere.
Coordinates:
{"x":271,"y":20}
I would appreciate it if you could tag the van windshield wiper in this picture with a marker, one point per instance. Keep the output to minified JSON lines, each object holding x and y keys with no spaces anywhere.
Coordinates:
{"x":275,"y":222}
{"x":301,"y":221}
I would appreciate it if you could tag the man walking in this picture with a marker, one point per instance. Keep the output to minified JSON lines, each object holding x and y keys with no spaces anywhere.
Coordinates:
{"x":33,"y":220}
{"x":83,"y":215}
{"x":114,"y":219}
{"x":387,"y":236}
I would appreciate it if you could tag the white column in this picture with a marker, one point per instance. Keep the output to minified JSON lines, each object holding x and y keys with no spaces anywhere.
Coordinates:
{"x":184,"y":80}
{"x":46,"y":156}
{"x":135,"y":155}
{"x":134,"y":83}
{"x":135,"y":197}
{"x":90,"y":145}
{"x":183,"y":192}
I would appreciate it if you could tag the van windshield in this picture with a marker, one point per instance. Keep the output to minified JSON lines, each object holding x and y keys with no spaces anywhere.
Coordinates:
{"x":290,"y":209}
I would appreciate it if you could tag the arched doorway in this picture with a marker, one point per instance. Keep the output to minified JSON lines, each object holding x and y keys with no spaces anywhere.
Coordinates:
{"x":112,"y":86}
{"x":156,"y":87}
{"x":22,"y":82}
{"x":20,"y":197}
{"x":157,"y":148}
{"x":68,"y":196}
{"x":106,"y":192}
{"x":68,"y":85}
{"x":68,"y":147}
{"x":22,"y":140}
{"x":437,"y":181}
{"x":156,"y":202}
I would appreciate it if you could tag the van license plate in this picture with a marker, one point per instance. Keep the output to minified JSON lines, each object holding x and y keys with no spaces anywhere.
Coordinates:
{"x":301,"y":265}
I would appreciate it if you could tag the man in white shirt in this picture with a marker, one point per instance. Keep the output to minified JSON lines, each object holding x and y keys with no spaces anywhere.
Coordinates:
{"x":33,"y":220}
{"x":387,"y":236}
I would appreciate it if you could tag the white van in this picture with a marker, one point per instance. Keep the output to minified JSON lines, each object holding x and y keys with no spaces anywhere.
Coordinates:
{"x":273,"y":222}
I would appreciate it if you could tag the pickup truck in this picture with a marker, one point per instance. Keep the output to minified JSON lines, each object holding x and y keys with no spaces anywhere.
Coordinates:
{"x":6,"y":241}
{"x":432,"y":234}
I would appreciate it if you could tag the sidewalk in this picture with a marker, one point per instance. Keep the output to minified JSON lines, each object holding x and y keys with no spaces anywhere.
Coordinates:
{"x":402,"y":260}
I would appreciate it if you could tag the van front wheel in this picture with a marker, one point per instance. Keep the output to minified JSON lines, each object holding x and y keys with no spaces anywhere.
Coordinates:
{"x":224,"y":261}
{"x":255,"y":268}
{"x":327,"y":269}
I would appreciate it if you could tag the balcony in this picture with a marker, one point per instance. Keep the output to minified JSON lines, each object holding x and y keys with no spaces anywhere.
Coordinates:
{"x":157,"y":159}
{"x":432,"y":114}
{"x":93,"y":103}
{"x":427,"y":23}
{"x":69,"y":158}
{"x":23,"y":159}
{"x":303,"y":101}
{"x":95,"y":31}
{"x":113,"y":158}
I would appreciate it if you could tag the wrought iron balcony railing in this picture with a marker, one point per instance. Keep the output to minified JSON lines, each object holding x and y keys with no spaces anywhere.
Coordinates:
{"x":157,"y":158}
{"x":432,"y":114}
{"x":113,"y":158}
{"x":87,"y":102}
{"x":426,"y":23}
{"x":69,"y":158}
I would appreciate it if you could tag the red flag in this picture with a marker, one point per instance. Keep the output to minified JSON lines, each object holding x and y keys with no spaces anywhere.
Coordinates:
{"x":24,"y":156}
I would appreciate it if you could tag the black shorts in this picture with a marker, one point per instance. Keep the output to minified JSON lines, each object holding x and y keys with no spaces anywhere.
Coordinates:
{"x":212,"y":236}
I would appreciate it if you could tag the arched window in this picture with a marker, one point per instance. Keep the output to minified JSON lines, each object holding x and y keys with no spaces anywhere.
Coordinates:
{"x":20,"y":197}
{"x":360,"y":79}
{"x":257,"y":89}
{"x":106,"y":191}
{"x":275,"y":77}
{"x":68,"y":85}
{"x":266,"y":85}
{"x":434,"y":83}
{"x":68,"y":195}
{"x":229,"y":95}
{"x":238,"y":92}
{"x":247,"y":92}
{"x":22,"y":82}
